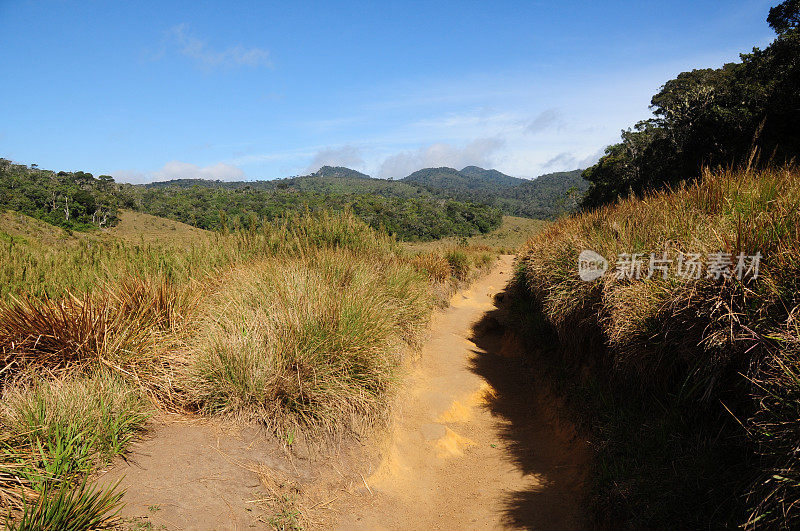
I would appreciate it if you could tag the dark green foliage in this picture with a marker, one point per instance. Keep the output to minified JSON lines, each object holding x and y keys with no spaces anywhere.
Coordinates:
{"x":785,"y":16}
{"x":79,"y":201}
{"x":429,"y":204}
{"x":408,"y":218}
{"x":219,"y":207}
{"x":470,"y":178}
{"x":62,"y":508}
{"x":545,"y":197}
{"x":711,"y":117}
{"x":73,"y":200}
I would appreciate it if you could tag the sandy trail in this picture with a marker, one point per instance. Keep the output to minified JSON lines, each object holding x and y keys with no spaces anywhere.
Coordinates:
{"x":476,"y":444}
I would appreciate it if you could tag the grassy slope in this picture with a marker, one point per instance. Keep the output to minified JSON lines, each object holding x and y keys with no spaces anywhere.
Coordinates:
{"x":690,"y":387}
{"x":506,"y":239}
{"x":137,"y":227}
{"x":133,"y":227}
{"x":94,"y":326}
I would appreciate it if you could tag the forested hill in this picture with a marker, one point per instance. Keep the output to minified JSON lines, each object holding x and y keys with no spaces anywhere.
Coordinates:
{"x":78,"y":200}
{"x":545,"y":197}
{"x":443,"y":202}
{"x":471,"y":178}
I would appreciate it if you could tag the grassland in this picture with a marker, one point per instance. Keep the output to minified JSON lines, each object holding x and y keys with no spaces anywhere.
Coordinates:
{"x":300,"y":326}
{"x":511,"y":236}
{"x":689,"y":386}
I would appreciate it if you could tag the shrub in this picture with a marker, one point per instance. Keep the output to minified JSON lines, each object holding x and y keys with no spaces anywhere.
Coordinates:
{"x":459,"y":263}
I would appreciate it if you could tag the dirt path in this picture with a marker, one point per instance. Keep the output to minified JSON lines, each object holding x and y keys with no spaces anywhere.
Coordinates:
{"x":476,"y":444}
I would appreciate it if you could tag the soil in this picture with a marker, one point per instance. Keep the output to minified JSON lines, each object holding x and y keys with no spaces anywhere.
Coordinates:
{"x":475,"y":442}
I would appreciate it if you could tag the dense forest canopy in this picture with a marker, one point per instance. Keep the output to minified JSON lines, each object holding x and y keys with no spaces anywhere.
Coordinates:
{"x":222,"y":207}
{"x":429,"y":204}
{"x":712,"y":117}
{"x":77,"y":200}
{"x":74,"y":200}
{"x":546,"y":197}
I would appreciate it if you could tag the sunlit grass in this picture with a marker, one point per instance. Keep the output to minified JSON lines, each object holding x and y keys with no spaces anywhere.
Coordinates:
{"x":681,"y":364}
{"x":300,"y":325}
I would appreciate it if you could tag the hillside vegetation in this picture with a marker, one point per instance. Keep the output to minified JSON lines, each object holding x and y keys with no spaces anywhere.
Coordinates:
{"x":546,"y":197}
{"x":299,"y":325}
{"x":689,"y":385}
{"x":428,"y":205}
{"x":76,"y":200}
{"x":508,"y":238}
{"x":711,"y":117}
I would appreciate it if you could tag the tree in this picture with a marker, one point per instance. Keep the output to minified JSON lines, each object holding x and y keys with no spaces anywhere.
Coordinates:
{"x":785,"y":16}
{"x":711,"y":117}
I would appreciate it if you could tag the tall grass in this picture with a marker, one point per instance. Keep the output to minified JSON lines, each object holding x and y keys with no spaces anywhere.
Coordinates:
{"x":695,"y":376}
{"x":299,"y":325}
{"x":315,"y":340}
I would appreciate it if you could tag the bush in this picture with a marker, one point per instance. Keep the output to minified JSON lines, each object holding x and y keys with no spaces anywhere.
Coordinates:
{"x":459,"y":264}
{"x":314,"y":341}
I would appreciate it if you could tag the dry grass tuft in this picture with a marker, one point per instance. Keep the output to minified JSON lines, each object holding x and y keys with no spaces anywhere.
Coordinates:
{"x":683,"y":345}
{"x":313,"y":341}
{"x":301,"y":325}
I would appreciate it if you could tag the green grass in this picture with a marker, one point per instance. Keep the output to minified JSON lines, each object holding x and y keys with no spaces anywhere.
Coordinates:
{"x":300,"y":325}
{"x":101,"y":412}
{"x":54,"y":433}
{"x":510,"y":236}
{"x":63,"y":508}
{"x":688,"y":386}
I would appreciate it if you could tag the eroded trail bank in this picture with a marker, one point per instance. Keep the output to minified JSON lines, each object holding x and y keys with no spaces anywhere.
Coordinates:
{"x":476,"y":443}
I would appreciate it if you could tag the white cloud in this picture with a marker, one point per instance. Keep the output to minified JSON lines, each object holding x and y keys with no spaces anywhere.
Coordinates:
{"x":348,"y":156}
{"x":176,"y":169}
{"x":476,"y":153}
{"x":208,"y":59}
{"x":561,"y":160}
{"x":130,"y":176}
{"x":544,"y":121}
{"x":569,"y":161}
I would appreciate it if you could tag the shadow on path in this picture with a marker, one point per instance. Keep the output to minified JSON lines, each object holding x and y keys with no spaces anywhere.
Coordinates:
{"x":539,"y":442}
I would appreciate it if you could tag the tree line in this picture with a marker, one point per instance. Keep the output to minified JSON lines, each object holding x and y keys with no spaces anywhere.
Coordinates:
{"x":742,"y":112}
{"x":79,"y":201}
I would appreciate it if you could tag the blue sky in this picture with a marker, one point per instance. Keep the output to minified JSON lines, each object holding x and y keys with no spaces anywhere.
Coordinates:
{"x":257,"y":90}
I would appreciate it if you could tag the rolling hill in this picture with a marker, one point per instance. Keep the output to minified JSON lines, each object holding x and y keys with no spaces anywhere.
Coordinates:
{"x":469,"y":178}
{"x":546,"y":197}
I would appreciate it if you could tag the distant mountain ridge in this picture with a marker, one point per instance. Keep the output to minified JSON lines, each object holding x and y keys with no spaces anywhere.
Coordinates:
{"x":545,"y":197}
{"x":339,"y":172}
{"x":471,"y":177}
